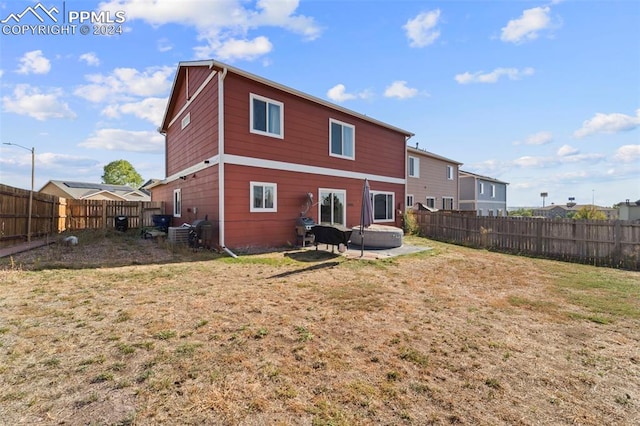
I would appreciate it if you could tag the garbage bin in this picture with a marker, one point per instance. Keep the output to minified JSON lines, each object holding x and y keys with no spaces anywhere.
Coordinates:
{"x":161,"y":222}
{"x":121,"y":223}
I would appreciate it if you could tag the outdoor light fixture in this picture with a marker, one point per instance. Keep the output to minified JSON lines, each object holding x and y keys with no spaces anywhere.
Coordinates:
{"x":33,"y":167}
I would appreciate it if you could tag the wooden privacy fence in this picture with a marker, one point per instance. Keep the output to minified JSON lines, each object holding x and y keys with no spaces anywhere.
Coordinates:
{"x":51,"y":214}
{"x":596,"y":242}
{"x":14,"y":215}
{"x":101,"y":214}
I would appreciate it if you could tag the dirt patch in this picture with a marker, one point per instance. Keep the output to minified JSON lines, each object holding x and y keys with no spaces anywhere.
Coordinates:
{"x":447,"y":336}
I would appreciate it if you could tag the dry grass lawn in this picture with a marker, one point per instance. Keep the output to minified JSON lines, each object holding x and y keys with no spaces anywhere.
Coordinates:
{"x":124,"y":331}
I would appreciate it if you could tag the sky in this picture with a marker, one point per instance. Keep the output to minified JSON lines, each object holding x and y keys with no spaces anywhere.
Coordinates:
{"x":544,"y":95}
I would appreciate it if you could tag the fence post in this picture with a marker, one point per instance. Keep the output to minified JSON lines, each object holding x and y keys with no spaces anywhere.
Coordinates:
{"x":104,"y":214}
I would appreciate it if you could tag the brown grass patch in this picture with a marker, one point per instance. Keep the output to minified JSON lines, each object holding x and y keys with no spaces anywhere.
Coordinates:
{"x":450,"y":336}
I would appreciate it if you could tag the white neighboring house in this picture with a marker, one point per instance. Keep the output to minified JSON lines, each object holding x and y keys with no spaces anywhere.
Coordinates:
{"x":94,"y":191}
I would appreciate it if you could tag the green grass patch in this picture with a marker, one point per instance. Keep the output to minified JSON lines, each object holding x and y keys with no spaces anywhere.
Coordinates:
{"x":600,"y":292}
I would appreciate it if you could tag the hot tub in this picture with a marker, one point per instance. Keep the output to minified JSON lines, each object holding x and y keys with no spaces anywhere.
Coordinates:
{"x":377,"y":237}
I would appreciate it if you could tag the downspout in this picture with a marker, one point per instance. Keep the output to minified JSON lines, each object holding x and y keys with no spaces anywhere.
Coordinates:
{"x":221,"y":177}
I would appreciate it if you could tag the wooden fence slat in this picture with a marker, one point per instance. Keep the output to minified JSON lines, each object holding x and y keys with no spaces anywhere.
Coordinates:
{"x":51,"y":214}
{"x":603,"y":243}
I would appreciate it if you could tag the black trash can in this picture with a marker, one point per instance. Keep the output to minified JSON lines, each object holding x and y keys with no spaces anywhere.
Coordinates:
{"x":122,"y":223}
{"x":161,"y":222}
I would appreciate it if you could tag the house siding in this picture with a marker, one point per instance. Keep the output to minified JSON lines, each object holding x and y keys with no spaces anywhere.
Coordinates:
{"x":199,"y":140}
{"x":245,"y":229}
{"x":298,"y":163}
{"x":432,"y":181}
{"x":306,"y":133}
{"x":483,"y":203}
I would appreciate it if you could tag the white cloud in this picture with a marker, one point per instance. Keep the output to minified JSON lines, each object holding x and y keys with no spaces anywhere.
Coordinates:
{"x":150,"y":109}
{"x":493,"y":76}
{"x":527,"y":26}
{"x":398,"y":89}
{"x":30,"y":101}
{"x":125,"y":140}
{"x":628,"y":154}
{"x":1,"y":73}
{"x":34,"y":62}
{"x":220,"y":25}
{"x":338,"y":93}
{"x":608,"y":123}
{"x":126,"y":83}
{"x":421,"y":30}
{"x":232,"y":49}
{"x":540,"y":138}
{"x":528,"y":161}
{"x":90,"y":58}
{"x":566,"y":150}
{"x":164,"y":45}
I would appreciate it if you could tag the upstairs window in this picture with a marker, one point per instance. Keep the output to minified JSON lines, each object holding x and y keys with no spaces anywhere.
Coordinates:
{"x":481,"y":187}
{"x":267,"y":116}
{"x":341,"y":139}
{"x":263,"y":197}
{"x":414,"y":167}
{"x":493,"y":191}
{"x":450,"y":172}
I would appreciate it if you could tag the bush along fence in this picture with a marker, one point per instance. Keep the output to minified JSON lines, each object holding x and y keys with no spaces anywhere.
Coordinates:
{"x":596,"y":242}
{"x":51,"y":215}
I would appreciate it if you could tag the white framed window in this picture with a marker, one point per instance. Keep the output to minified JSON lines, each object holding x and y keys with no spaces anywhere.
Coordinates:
{"x":450,"y":172}
{"x":447,"y":203}
{"x":479,"y":212}
{"x":332,"y":206}
{"x":177,"y":202}
{"x":493,"y":191}
{"x":431,"y":202}
{"x":264,"y":197}
{"x":414,"y":167}
{"x":267,"y":116}
{"x":186,"y":120}
{"x":383,"y":203}
{"x":342,"y":138}
{"x":481,"y":188}
{"x":409,"y":201}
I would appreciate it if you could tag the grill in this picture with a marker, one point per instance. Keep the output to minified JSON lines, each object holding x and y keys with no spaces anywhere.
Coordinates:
{"x":303,"y":230}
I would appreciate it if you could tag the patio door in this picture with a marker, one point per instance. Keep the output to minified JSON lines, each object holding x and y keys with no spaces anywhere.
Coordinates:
{"x":332,"y":207}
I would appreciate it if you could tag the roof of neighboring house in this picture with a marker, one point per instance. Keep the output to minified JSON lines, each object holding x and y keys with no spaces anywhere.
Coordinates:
{"x":431,"y":154}
{"x":477,"y":176}
{"x":210,"y":63}
{"x":574,"y":207}
{"x":85,"y":190}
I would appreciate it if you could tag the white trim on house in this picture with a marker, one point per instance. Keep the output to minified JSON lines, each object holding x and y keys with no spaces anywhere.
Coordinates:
{"x":192,"y":98}
{"x":303,"y":168}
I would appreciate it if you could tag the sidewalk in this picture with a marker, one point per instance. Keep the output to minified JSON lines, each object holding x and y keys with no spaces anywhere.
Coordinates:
{"x":18,"y":248}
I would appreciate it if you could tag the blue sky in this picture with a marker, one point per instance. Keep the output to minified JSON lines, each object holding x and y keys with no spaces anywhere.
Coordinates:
{"x":543,"y":95}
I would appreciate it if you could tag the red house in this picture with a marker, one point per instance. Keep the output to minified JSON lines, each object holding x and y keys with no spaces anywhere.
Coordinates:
{"x":246,"y":152}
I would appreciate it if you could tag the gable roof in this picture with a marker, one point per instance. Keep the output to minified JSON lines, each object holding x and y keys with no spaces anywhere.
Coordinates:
{"x":87,"y":190}
{"x":426,"y":153}
{"x":219,"y":66}
{"x":476,"y":176}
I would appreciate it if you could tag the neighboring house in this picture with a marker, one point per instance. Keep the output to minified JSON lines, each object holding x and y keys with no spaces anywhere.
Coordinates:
{"x":252,"y":155}
{"x":432,"y":181}
{"x":94,"y":191}
{"x":486,"y":195}
{"x":629,"y":211}
{"x":568,"y":210}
